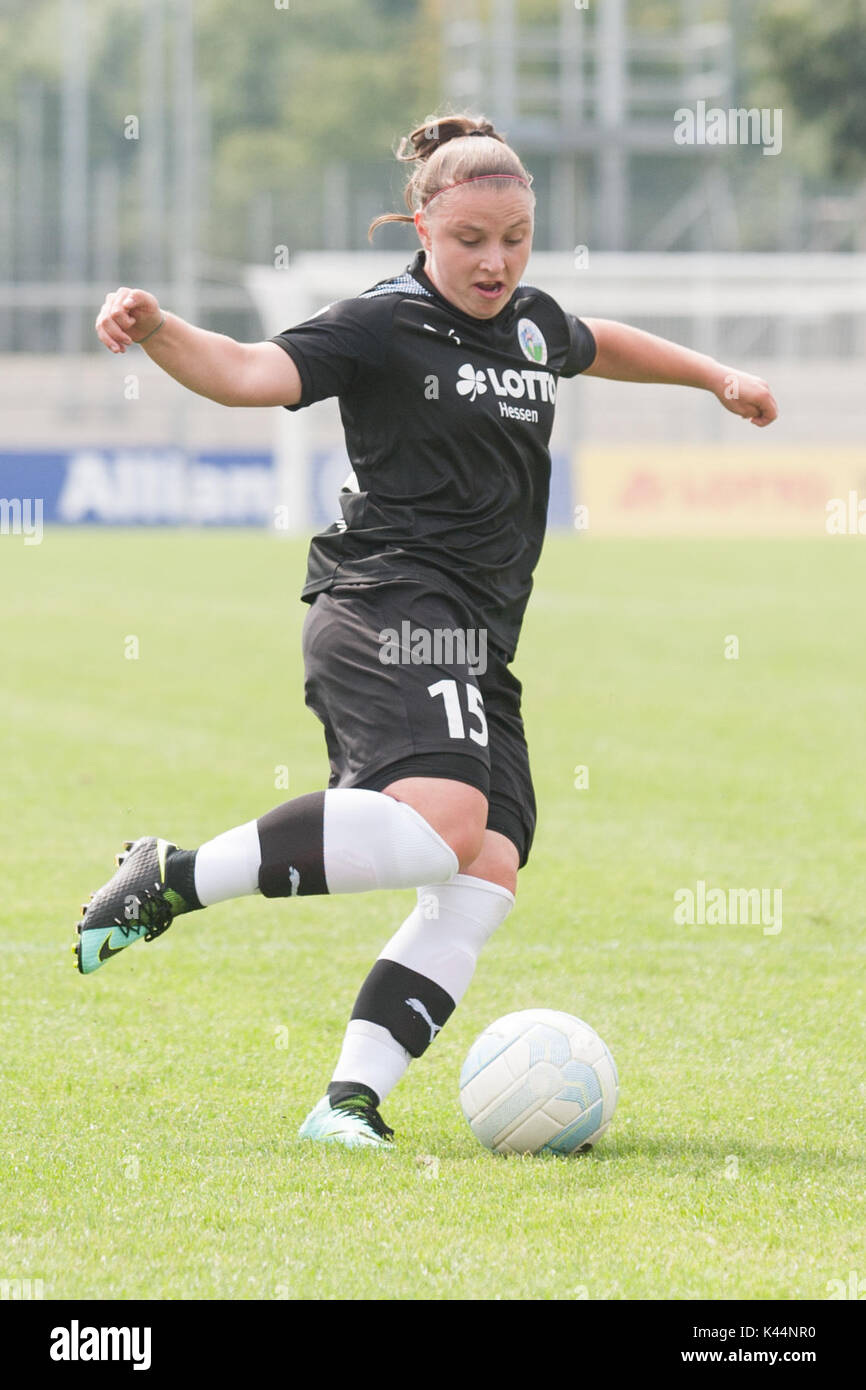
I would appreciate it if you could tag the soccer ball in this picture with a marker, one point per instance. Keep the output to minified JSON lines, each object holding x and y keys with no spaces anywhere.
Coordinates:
{"x":538,"y":1080}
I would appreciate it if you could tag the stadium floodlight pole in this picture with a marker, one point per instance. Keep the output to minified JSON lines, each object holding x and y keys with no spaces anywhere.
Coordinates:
{"x":570,"y":96}
{"x":611,"y":107}
{"x":185,"y":188}
{"x":106,"y":234}
{"x":74,"y":199}
{"x":461,"y":53}
{"x":30,"y":202}
{"x":185,"y":164}
{"x":503,"y":30}
{"x":152,"y":186}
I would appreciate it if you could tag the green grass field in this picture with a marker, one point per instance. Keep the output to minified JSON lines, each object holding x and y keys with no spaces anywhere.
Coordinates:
{"x":149,"y":1112}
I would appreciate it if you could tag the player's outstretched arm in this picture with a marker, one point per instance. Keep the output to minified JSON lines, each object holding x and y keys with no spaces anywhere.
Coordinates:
{"x":629,"y":354}
{"x":210,"y":364}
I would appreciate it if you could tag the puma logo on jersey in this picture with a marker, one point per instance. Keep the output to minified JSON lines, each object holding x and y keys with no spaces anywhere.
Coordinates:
{"x":418,"y":1007}
{"x":451,"y":333}
{"x":528,"y":384}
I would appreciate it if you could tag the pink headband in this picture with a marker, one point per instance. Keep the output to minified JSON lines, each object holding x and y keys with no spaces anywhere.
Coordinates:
{"x":472,"y":180}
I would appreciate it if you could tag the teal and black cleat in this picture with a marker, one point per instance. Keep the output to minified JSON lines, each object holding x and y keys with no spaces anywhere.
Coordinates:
{"x":354,"y":1122}
{"x":135,"y":903}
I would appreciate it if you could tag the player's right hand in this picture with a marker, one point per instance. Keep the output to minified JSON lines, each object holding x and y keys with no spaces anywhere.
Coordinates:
{"x":126,"y":317}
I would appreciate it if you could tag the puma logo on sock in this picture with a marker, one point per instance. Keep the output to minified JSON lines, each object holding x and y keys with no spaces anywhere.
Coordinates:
{"x":420,"y":1009}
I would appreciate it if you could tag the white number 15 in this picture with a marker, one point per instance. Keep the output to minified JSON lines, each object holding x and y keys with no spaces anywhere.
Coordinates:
{"x":453,"y":713}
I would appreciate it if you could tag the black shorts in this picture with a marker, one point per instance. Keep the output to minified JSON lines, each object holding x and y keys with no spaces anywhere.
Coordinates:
{"x":405,"y":687}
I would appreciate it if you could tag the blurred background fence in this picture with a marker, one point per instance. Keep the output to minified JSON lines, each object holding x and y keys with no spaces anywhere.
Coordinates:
{"x":231,"y":161}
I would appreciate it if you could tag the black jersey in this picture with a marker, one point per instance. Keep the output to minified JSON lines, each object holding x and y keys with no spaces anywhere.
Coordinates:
{"x":447,"y":420}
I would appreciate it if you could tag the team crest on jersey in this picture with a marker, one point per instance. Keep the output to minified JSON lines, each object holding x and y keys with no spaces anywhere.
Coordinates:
{"x":531,"y":340}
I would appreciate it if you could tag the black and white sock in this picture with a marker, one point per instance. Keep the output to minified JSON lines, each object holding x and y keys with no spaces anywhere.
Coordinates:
{"x":344,"y":840}
{"x":418,"y":980}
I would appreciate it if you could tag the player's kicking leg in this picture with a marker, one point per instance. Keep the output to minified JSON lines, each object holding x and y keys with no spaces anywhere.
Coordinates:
{"x":344,"y":840}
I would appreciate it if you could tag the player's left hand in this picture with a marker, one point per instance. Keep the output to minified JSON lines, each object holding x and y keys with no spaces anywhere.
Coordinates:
{"x":746,"y":395}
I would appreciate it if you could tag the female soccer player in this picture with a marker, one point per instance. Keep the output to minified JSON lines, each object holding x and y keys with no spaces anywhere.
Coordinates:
{"x":446,"y":375}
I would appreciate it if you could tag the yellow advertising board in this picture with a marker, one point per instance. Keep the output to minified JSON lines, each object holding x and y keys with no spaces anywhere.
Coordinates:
{"x":720,"y":490}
